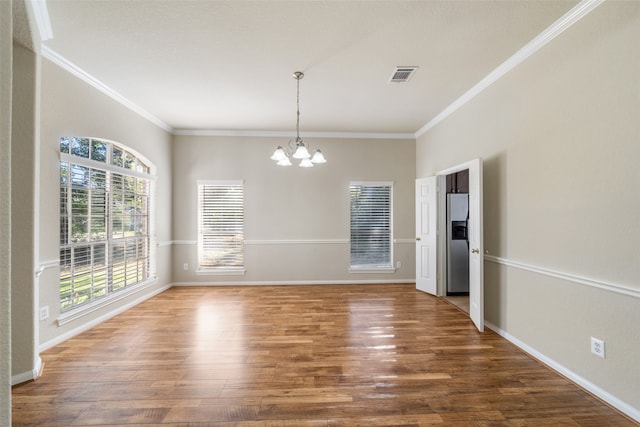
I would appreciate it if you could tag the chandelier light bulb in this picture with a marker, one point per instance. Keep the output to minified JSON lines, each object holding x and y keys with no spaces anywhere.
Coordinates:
{"x":279,"y":154}
{"x":284,"y":162}
{"x":318,"y":157}
{"x":301,"y":152}
{"x":306,"y":163}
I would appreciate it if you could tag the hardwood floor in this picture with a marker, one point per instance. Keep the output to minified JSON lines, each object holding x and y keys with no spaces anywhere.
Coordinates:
{"x":350,"y":355}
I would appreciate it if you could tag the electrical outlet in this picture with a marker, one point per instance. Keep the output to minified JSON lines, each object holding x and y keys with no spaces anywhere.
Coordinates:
{"x":598,"y":347}
{"x":185,"y":266}
{"x":398,"y":264}
{"x":44,"y":312}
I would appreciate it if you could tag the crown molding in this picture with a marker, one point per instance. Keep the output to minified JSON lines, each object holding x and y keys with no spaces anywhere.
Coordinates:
{"x":56,"y":58}
{"x":41,"y":15}
{"x":567,"y":20}
{"x":292,"y":134}
{"x":553,"y":31}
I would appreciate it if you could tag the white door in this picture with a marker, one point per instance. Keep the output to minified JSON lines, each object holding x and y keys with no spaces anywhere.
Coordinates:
{"x":426,"y":235}
{"x":476,"y":245}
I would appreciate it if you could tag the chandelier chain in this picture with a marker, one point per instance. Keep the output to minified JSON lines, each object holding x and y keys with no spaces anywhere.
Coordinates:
{"x":298,"y":108}
{"x":297,"y":149}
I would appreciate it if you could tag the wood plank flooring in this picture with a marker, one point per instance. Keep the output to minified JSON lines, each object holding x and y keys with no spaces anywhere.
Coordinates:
{"x":351,"y":355}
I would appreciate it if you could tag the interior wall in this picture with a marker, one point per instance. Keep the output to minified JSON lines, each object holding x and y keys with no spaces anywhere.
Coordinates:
{"x":296,"y":220}
{"x":559,"y":136}
{"x":6,"y":71}
{"x":72,"y":107}
{"x":23,"y":146}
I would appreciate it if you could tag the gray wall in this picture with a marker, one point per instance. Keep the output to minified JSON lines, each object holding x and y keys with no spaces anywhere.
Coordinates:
{"x":6,"y":71}
{"x":293,"y":204}
{"x":560,"y":138}
{"x":72,"y":107}
{"x":23,"y":162}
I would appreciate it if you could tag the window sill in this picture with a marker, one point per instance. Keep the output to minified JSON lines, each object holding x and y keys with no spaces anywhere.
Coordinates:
{"x":357,"y":270}
{"x":221,"y":271}
{"x":85,"y":309}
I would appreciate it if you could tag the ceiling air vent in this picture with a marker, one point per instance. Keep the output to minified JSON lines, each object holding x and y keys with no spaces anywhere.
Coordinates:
{"x":402,"y":74}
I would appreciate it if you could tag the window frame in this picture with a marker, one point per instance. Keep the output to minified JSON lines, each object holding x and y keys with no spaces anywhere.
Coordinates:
{"x":222,"y":269}
{"x":102,"y":292}
{"x":374,"y":267}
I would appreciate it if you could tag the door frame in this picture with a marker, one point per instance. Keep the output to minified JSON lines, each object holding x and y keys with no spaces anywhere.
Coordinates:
{"x":476,"y":239}
{"x":442,"y":224}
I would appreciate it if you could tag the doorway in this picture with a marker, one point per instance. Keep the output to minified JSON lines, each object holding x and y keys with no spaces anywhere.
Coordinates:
{"x":457,"y":239}
{"x":431,"y":245}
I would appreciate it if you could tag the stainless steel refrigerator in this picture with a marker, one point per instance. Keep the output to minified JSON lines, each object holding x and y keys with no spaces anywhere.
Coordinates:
{"x":457,"y":244}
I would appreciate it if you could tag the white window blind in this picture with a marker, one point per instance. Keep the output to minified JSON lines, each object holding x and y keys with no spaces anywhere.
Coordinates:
{"x":371,"y":231}
{"x":104,"y":220}
{"x":221,"y":225}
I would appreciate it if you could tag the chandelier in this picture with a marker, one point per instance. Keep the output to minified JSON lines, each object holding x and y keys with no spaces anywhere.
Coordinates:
{"x":297,"y":149}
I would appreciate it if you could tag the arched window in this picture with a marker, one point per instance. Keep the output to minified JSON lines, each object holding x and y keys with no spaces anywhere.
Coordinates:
{"x":105,"y":227}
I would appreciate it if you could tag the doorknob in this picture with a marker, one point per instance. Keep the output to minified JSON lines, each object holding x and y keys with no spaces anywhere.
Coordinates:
{"x":475,"y":251}
{"x":417,"y":239}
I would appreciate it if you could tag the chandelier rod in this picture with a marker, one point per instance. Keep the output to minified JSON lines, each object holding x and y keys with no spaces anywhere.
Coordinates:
{"x":298,"y":75}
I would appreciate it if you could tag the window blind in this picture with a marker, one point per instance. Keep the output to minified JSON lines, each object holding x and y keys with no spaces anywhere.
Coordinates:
{"x":221,"y":225}
{"x":371,"y":232}
{"x":104,"y":220}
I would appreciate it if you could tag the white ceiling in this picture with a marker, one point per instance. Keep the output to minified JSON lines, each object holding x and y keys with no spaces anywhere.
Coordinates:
{"x":227,"y":65}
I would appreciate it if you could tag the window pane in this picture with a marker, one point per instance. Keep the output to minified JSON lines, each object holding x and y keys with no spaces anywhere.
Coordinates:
{"x":104,"y":241}
{"x":100,"y":270}
{"x":79,"y":176}
{"x":64,"y":203}
{"x":117,"y":158}
{"x":129,"y":161}
{"x":370,"y":226}
{"x":221,"y":225}
{"x":99,"y":150}
{"x":64,"y":144}
{"x":80,"y":147}
{"x":66,"y":277}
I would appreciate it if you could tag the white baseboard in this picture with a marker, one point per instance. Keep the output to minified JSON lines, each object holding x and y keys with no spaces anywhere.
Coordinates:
{"x":29,"y":375}
{"x":612,"y":400}
{"x":298,"y":282}
{"x":86,"y":326}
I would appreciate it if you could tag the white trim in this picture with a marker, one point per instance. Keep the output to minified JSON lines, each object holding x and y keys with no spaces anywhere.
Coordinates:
{"x":83,"y":161}
{"x":297,"y":242}
{"x":47,"y":264}
{"x":59,"y":60}
{"x":368,"y":269}
{"x":297,"y":282}
{"x":372,"y":183}
{"x":29,"y":375}
{"x":41,"y":15}
{"x":86,"y":326}
{"x":222,"y":271}
{"x":119,"y":145}
{"x":291,"y":134}
{"x":557,"y":28}
{"x":612,"y":287}
{"x":572,"y":376}
{"x":283,"y":242}
{"x":85,"y":309}
{"x":184,"y":242}
{"x":399,"y":241}
{"x":220,"y":182}
{"x":554,"y":30}
{"x":458,"y":168}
